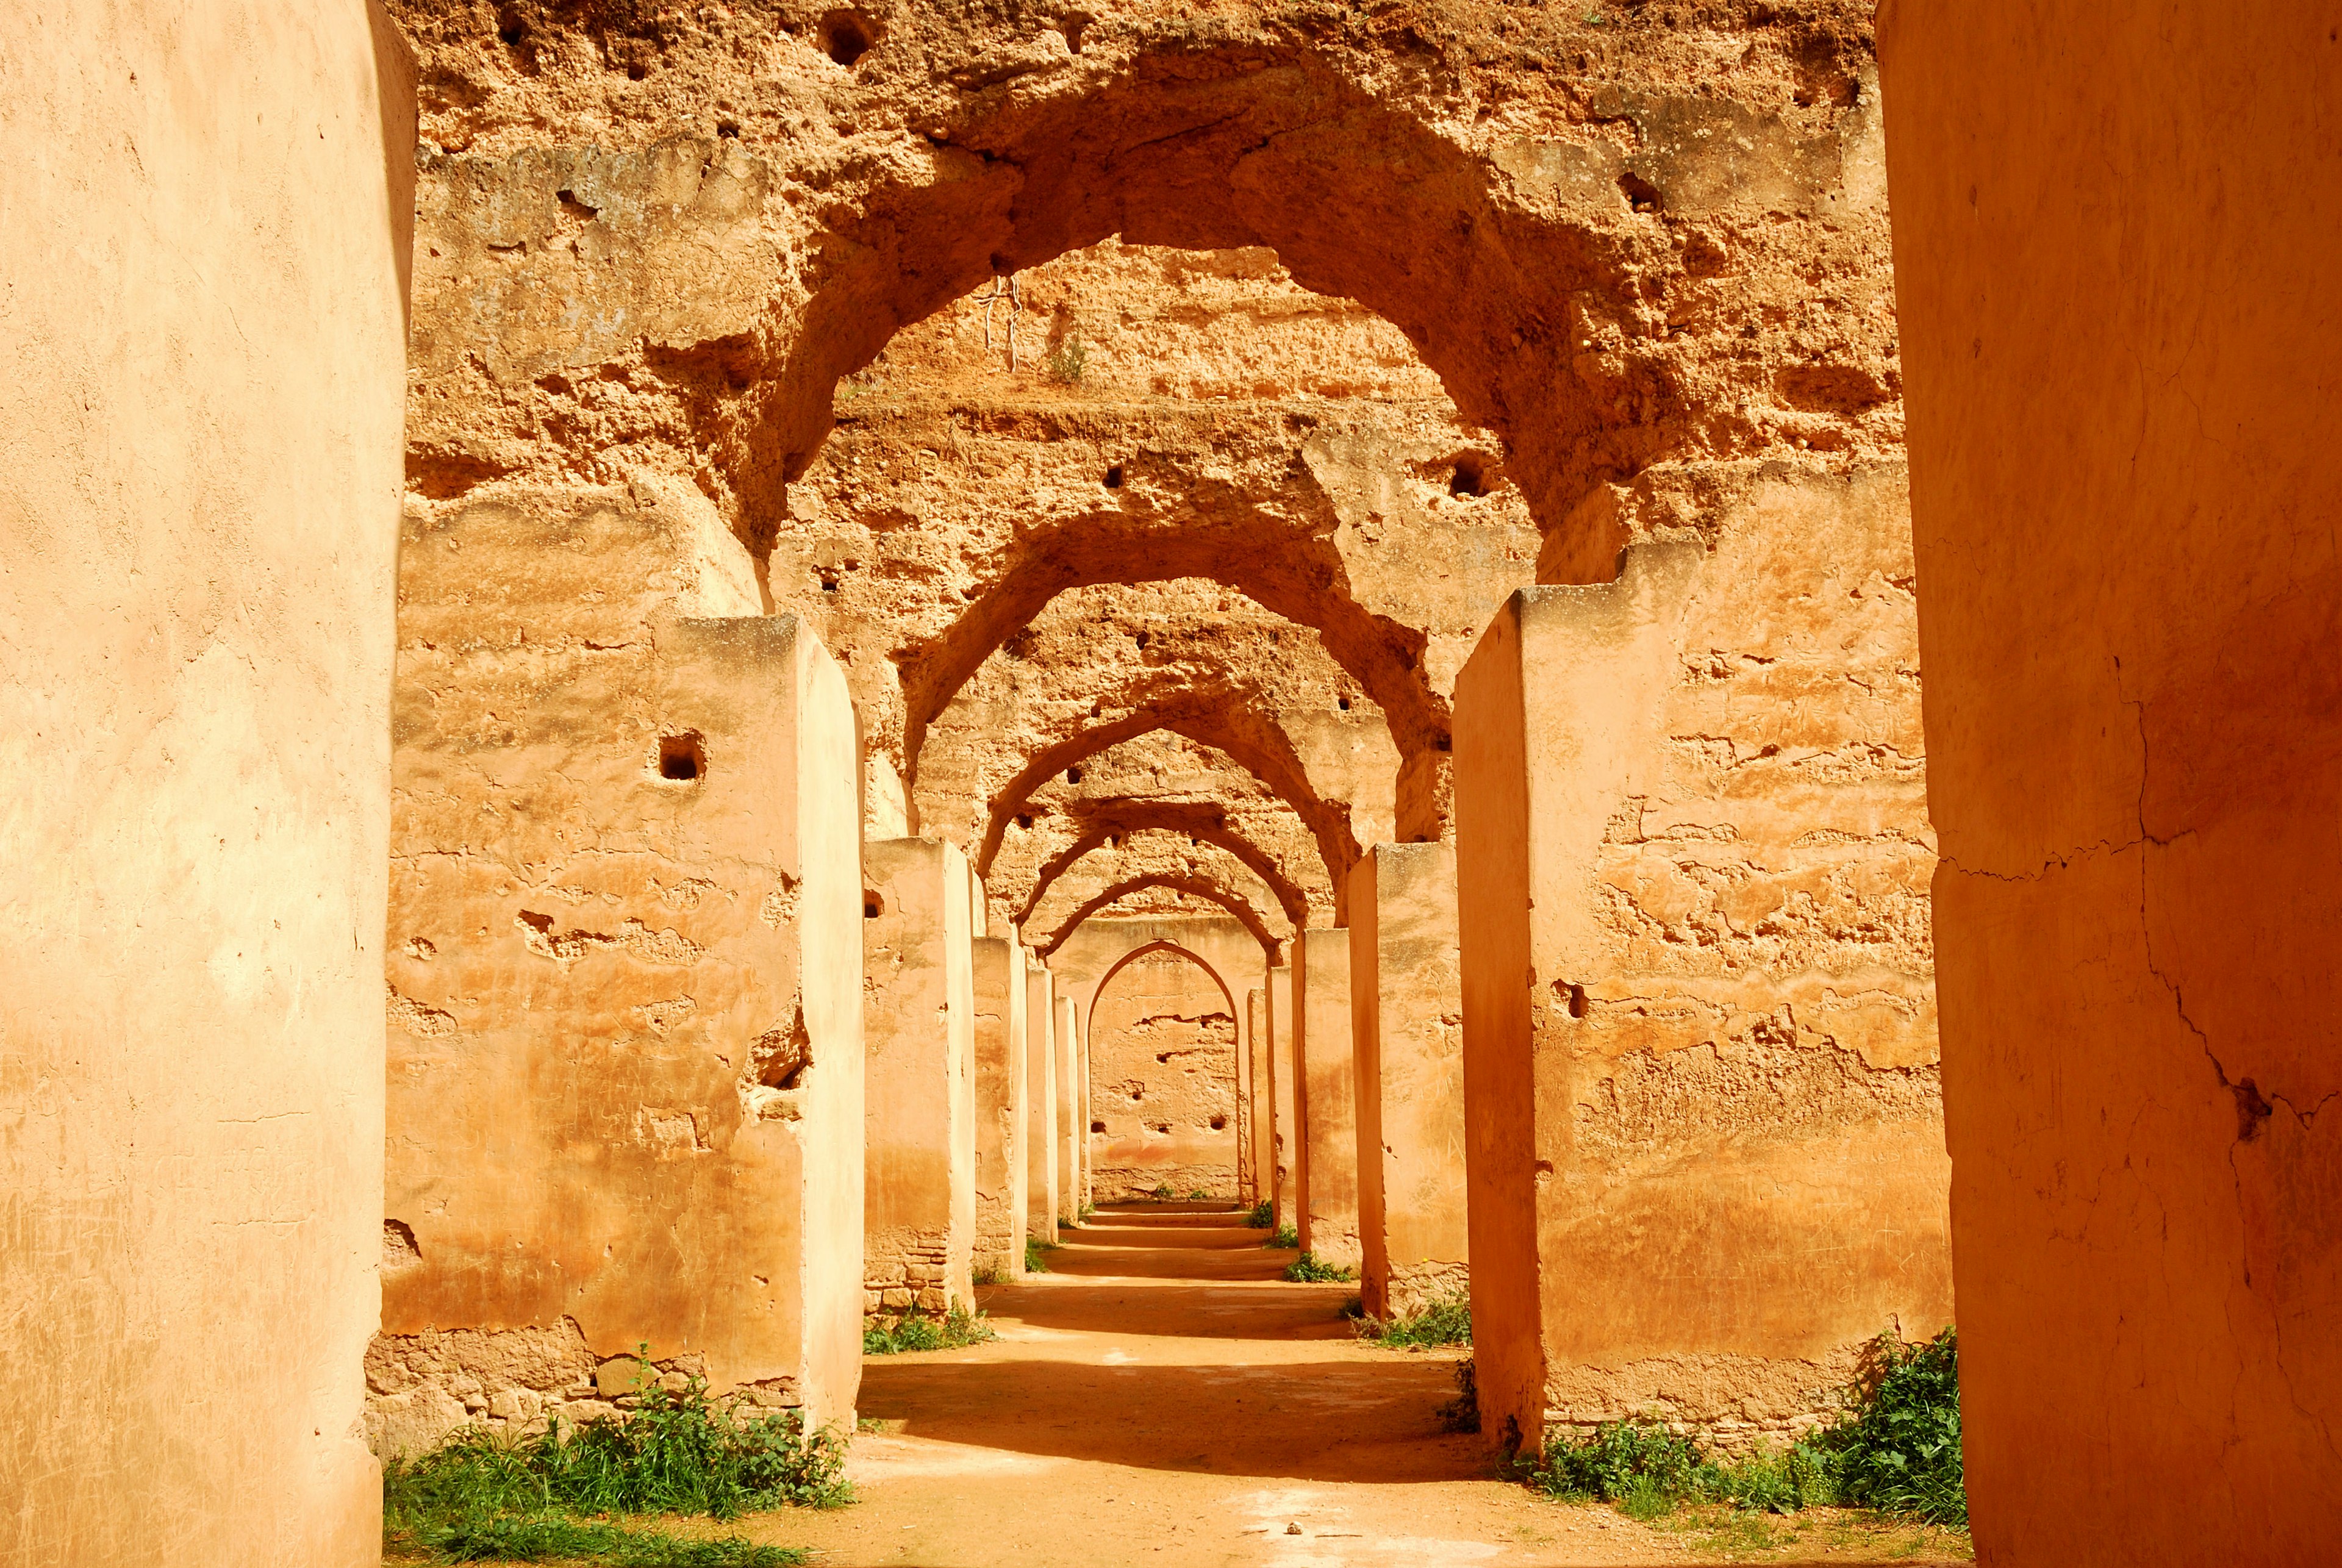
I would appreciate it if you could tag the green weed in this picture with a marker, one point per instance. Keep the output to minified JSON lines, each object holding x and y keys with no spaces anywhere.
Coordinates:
{"x":987,"y":1274}
{"x":1444,"y":1321}
{"x":1900,"y":1452}
{"x":1263,"y":1216}
{"x":955,"y":1330}
{"x":1162,"y":1193}
{"x":1282,"y":1237}
{"x":1309,"y":1269}
{"x":1199,"y":1196}
{"x":1068,"y":360}
{"x":1036,"y":1255}
{"x":482,"y":1495}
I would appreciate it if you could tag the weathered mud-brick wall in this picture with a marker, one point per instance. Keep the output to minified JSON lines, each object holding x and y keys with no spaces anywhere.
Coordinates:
{"x":1163,"y":1062}
{"x":1691,"y":810}
{"x":626,"y":1052}
{"x":998,"y":981}
{"x":1406,"y":1023}
{"x":920,"y":1124}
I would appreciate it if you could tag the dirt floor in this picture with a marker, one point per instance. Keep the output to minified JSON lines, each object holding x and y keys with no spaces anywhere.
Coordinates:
{"x":1161,"y":1396}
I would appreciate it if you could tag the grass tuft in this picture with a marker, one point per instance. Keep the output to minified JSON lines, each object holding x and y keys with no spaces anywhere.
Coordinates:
{"x":1309,"y":1269}
{"x":955,"y":1330}
{"x":1896,"y":1451}
{"x":1282,"y":1237}
{"x":1036,"y":1255}
{"x":1162,"y":1193}
{"x":1444,"y":1321}
{"x":1263,"y":1216}
{"x":482,"y":1495}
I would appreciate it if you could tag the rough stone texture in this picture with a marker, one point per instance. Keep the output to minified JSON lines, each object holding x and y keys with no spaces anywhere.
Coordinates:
{"x":202,"y":316}
{"x":919,"y":1127}
{"x":1040,"y":1103}
{"x":1325,"y":1074}
{"x":1690,"y":814}
{"x":1163,"y":1057}
{"x":1406,"y":1023}
{"x":998,"y":982}
{"x":2118,"y":283}
{"x":625,"y":986}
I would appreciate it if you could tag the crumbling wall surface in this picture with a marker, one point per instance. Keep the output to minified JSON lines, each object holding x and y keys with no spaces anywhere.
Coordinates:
{"x":1163,"y":1062}
{"x":920,"y":1126}
{"x":1000,"y":1034}
{"x":1406,"y":1023}
{"x":204,"y":335}
{"x":1710,"y":774}
{"x":624,"y":979}
{"x":2125,"y":432}
{"x":1325,"y":1077}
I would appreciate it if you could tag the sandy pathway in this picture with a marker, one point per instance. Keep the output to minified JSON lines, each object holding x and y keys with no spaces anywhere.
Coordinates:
{"x":1163,"y":1397}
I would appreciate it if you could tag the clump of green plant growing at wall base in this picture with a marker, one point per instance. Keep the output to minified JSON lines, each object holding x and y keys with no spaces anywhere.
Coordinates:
{"x":1444,"y":1321}
{"x":1199,"y":1196}
{"x":1162,"y":1193}
{"x":1282,"y":1237}
{"x":482,"y":1495}
{"x":1036,"y":1255}
{"x":1462,"y":1413}
{"x":1263,"y":1216}
{"x":989,"y":1274}
{"x":955,"y":1330}
{"x":1309,"y":1269}
{"x":1897,"y":1451}
{"x":1067,"y":360}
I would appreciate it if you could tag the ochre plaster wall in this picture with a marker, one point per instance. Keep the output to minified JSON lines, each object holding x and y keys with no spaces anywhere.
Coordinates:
{"x":2114,"y":239}
{"x":919,"y":1131}
{"x":1163,"y":1059}
{"x":1040,"y":1103}
{"x":625,"y":1007}
{"x":204,"y":245}
{"x":1407,"y":1022}
{"x":1690,"y":812}
{"x":1072,"y":1129}
{"x":1325,"y":1071}
{"x":1000,"y":1109}
{"x":1284,"y":1110}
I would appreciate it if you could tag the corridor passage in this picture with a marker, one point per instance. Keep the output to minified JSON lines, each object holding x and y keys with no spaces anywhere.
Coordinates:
{"x":1163,"y":1396}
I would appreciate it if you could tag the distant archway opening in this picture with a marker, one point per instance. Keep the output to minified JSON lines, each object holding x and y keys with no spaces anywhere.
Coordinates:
{"x":1163,"y":1079}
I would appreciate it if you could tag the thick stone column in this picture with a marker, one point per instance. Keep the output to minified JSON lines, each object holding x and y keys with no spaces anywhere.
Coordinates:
{"x":1260,"y":1120}
{"x":1073,"y":1129}
{"x":1602,"y":1057}
{"x":2115,"y":264}
{"x":1001,"y":1112}
{"x":1040,"y":1103}
{"x":200,"y":468}
{"x":1324,"y":1070}
{"x":1284,"y":1104}
{"x":921,"y":1124}
{"x":1406,"y":1018}
{"x":626,"y":979}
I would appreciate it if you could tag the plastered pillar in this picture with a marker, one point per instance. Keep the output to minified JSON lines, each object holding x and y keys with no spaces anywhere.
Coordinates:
{"x":2115,"y":285}
{"x":1041,"y":1140}
{"x":1001,"y":1111}
{"x":1073,"y":1129}
{"x":1325,"y":1071}
{"x":1407,"y":1028}
{"x":200,"y":469}
{"x":921,"y":1122}
{"x":1260,"y":1122}
{"x":1285,"y":1106}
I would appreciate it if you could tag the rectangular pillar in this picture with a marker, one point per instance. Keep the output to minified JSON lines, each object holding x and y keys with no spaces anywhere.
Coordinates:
{"x":625,"y":974}
{"x":920,"y":1234}
{"x":1040,"y":1103}
{"x":1073,"y":1130}
{"x":1697,"y":1020}
{"x":1000,"y":1107}
{"x":1406,"y":1017}
{"x":200,"y":473}
{"x":1260,"y":1125}
{"x":1324,"y":1070}
{"x":1285,"y":1106}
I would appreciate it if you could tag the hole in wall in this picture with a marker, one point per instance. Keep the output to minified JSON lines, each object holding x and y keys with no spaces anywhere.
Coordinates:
{"x":728,"y":129}
{"x":1114,"y":477}
{"x":1073,"y":27}
{"x":1024,"y":819}
{"x":873,"y":906}
{"x":1073,"y":775}
{"x":1342,"y":703}
{"x":510,"y":28}
{"x":1097,"y":1126}
{"x":398,"y":1248}
{"x":846,"y":37}
{"x":681,"y":758}
{"x":1219,"y":1123}
{"x":1467,"y":478}
{"x":1640,"y":194}
{"x":1576,"y":1000}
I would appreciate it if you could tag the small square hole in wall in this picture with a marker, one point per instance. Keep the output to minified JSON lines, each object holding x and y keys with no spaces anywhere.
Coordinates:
{"x":873,"y":906}
{"x":1219,"y":1123}
{"x":1097,"y":1126}
{"x":682,"y":758}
